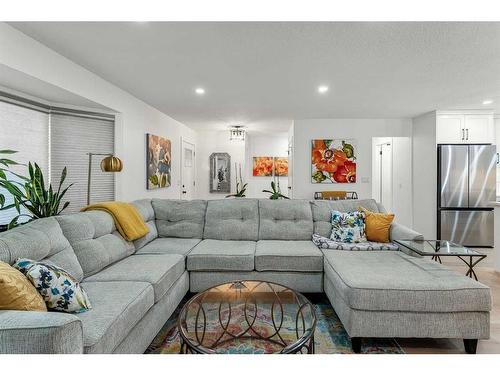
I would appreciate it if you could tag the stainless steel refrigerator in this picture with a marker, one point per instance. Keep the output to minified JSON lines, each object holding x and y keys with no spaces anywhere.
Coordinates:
{"x":466,"y":190}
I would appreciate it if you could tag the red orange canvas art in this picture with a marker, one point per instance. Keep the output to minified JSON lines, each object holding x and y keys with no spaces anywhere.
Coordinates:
{"x":333,"y":161}
{"x":262,"y":166}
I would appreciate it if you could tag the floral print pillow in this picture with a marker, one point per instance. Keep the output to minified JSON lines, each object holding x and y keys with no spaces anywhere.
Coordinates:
{"x":348,"y":227}
{"x":59,"y":290}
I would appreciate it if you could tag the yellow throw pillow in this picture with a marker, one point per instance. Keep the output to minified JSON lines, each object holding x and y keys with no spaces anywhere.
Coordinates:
{"x":17,"y":292}
{"x":377,"y":225}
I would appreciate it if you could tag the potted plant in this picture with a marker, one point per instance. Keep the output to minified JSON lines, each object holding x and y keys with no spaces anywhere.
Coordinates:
{"x":30,"y":194}
{"x":275,"y":192}
{"x":241,"y":187}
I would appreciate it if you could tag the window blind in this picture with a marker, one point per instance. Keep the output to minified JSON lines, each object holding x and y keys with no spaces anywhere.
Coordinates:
{"x":24,"y":129}
{"x":72,"y":137}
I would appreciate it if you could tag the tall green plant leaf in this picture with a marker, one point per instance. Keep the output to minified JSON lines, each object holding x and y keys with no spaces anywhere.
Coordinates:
{"x":32,"y":194}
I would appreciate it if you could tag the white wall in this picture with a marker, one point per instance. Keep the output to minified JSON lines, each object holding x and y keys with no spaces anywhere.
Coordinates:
{"x":210,"y":142}
{"x":135,"y":118}
{"x":363,"y":130}
{"x":264,"y":145}
{"x":424,"y":155}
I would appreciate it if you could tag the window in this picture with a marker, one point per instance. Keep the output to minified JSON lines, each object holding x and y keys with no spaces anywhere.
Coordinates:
{"x":55,"y":138}
{"x":24,"y":130}
{"x":72,"y":138}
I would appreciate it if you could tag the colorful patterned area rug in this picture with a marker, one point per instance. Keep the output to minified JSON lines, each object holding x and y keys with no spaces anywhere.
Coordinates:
{"x":330,"y":336}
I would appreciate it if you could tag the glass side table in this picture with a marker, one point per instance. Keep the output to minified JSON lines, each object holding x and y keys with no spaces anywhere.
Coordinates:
{"x":439,"y":248}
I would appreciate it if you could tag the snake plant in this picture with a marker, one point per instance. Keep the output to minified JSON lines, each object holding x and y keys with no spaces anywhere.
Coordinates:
{"x":30,"y":192}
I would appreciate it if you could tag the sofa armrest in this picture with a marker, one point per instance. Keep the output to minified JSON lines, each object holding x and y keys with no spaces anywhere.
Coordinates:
{"x":28,"y":332}
{"x":400,"y":232}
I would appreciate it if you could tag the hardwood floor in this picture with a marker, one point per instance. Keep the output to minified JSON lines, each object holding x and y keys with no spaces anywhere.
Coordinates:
{"x":487,"y":276}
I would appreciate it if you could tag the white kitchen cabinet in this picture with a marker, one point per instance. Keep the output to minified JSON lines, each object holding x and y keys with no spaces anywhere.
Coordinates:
{"x":449,"y":129}
{"x":465,"y":128}
{"x":479,"y":129}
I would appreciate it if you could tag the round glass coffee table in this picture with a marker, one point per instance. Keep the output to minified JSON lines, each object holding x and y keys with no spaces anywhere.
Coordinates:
{"x":247,"y":317}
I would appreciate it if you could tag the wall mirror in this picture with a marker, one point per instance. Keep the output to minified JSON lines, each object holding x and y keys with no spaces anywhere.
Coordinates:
{"x":220,"y":172}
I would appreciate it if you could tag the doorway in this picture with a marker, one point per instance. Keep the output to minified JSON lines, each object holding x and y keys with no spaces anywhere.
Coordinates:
{"x":188,"y":170}
{"x":384,"y":171}
{"x":392,"y":176}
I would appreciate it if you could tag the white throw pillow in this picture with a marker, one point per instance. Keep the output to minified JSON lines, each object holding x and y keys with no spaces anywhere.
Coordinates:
{"x":348,"y":226}
{"x":59,"y":290}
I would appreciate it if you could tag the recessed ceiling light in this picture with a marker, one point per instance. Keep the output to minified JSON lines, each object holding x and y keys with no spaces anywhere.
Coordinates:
{"x":199,"y":90}
{"x":322,"y":89}
{"x":486,"y":102}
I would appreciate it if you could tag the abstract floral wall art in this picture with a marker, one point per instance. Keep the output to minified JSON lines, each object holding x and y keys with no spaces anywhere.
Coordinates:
{"x":281,"y":166}
{"x":333,"y":161}
{"x":159,"y":161}
{"x":262,"y":166}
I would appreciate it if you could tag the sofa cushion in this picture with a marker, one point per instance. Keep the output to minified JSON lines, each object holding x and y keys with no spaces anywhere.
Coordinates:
{"x":160,"y":270}
{"x":146,"y":210}
{"x":394,"y":281}
{"x":169,"y":246}
{"x":322,"y":212}
{"x":117,"y":306}
{"x":178,"y":218}
{"x":217,"y":255}
{"x":40,"y":240}
{"x":285,"y":220}
{"x":94,"y":238}
{"x":150,"y":236}
{"x":232,"y":219}
{"x":328,"y":244}
{"x":276,"y":255}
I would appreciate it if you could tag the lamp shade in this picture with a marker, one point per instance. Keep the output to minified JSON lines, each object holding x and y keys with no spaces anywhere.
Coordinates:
{"x":111,"y":164}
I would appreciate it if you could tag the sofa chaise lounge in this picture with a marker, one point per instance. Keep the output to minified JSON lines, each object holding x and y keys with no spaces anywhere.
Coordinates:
{"x":192,"y":245}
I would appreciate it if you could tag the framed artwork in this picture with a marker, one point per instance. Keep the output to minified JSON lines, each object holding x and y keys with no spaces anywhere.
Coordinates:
{"x":281,"y":166}
{"x":220,"y":172}
{"x":333,"y":161}
{"x":158,"y":161}
{"x":262,"y":166}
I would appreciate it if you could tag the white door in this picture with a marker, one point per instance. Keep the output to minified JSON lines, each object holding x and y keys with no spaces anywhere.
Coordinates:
{"x":385,"y":164}
{"x":479,"y":129}
{"x":188,"y":170}
{"x":450,"y":129}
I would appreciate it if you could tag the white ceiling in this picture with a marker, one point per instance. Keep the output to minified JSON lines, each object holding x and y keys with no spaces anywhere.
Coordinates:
{"x":254,"y":72}
{"x":19,"y":83}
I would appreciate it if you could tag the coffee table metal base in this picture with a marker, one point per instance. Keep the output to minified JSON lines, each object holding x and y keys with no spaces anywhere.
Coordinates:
{"x":257,"y":316}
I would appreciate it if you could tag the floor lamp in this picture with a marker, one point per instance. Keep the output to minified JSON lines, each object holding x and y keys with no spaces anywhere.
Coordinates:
{"x":109,"y":164}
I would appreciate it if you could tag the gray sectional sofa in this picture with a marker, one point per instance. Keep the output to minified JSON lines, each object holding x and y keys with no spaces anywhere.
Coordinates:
{"x":192,"y":245}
